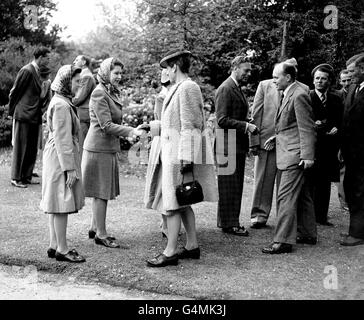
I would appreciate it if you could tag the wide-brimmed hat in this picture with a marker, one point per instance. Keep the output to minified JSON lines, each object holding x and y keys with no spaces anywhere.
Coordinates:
{"x":173,"y":54}
{"x":325,"y":67}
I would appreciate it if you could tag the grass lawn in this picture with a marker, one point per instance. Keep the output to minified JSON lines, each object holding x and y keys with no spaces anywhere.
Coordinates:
{"x":230,"y":267}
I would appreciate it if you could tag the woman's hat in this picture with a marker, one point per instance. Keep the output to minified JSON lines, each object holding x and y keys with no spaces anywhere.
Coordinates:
{"x":173,"y":54}
{"x":325,"y":67}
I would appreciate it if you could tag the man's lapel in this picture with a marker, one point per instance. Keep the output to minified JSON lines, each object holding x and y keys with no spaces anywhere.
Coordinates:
{"x":286,"y":100}
{"x":352,"y":99}
{"x":36,"y":76}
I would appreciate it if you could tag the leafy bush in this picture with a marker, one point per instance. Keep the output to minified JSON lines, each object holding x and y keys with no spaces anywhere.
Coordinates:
{"x":5,"y":127}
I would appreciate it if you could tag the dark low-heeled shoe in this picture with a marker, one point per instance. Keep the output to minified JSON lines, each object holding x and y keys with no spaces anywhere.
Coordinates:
{"x":107,"y":242}
{"x":70,"y":256}
{"x":282,"y":248}
{"x":92,"y":235}
{"x":162,"y":260}
{"x":189,"y":254}
{"x":51,"y":253}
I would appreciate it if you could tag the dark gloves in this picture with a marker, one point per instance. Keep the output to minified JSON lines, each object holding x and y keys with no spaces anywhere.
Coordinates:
{"x":186,"y":167}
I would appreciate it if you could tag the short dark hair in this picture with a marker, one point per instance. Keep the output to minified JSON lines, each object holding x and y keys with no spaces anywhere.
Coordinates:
{"x":289,"y":69}
{"x":75,"y":71}
{"x":116,"y":62}
{"x":325,"y":70}
{"x":41,"y":52}
{"x":182,"y":61}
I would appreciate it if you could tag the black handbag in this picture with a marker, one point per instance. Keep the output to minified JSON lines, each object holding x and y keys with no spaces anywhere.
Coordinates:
{"x":189,"y":193}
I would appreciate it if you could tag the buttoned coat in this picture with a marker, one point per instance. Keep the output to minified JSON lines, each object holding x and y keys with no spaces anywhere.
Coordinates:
{"x":231,"y":113}
{"x":183,"y":138}
{"x":295,"y":129}
{"x":61,"y":153}
{"x":105,"y":123}
{"x":327,"y":147}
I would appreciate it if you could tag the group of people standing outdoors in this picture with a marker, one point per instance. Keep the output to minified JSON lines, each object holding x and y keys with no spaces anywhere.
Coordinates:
{"x":298,"y":136}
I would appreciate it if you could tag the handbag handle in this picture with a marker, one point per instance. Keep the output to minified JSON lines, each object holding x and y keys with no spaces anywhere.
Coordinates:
{"x":193,"y":176}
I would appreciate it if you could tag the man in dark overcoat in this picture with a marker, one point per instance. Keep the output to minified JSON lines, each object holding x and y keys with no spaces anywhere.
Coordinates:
{"x":232,"y":144}
{"x":25,"y":106}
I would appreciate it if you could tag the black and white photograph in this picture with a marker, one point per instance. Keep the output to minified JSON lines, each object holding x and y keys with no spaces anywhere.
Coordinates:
{"x":177,"y":156}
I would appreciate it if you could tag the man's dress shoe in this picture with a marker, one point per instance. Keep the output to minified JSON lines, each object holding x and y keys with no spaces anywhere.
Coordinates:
{"x":306,"y":240}
{"x":18,"y":184}
{"x":258,"y":225}
{"x":189,"y":254}
{"x":350,"y":241}
{"x":162,"y":260}
{"x":29,"y":181}
{"x":236,"y":231}
{"x":282,"y":248}
{"x":325,"y":223}
{"x":35,"y":175}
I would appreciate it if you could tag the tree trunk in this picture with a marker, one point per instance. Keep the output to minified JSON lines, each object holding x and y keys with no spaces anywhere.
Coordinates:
{"x":284,"y":41}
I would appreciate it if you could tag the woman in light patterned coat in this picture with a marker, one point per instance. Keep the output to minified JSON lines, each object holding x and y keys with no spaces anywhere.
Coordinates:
{"x":184,"y":148}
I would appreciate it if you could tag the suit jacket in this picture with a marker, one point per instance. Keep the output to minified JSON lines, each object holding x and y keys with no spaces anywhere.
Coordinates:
{"x":295,"y":129}
{"x":105,"y":122}
{"x":352,"y":137}
{"x":327,"y":147}
{"x":265,"y":106}
{"x":24,"y":99}
{"x":231,"y":113}
{"x":83,"y":95}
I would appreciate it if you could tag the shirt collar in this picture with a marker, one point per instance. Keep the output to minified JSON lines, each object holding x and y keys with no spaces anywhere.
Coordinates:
{"x":35,"y":66}
{"x":319,"y":93}
{"x":236,"y":82}
{"x":287,"y":89}
{"x":361,"y":86}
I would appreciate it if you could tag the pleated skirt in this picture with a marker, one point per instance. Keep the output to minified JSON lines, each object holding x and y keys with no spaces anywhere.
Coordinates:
{"x":100,"y":173}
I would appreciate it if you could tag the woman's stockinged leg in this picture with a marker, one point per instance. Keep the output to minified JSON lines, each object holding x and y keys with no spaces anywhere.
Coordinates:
{"x":188,"y":218}
{"x":173,"y":225}
{"x":52,"y":233}
{"x":99,"y":207}
{"x":60,"y":227}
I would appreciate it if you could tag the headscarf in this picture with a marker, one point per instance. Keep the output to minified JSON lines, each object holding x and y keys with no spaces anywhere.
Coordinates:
{"x":103,"y":76}
{"x":62,"y":83}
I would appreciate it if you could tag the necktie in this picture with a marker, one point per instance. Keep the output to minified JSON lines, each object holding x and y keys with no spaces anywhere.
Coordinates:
{"x":323,"y":99}
{"x":281,"y":100}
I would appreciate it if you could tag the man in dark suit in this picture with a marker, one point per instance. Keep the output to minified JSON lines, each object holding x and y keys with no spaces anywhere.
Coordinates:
{"x":352,"y":147}
{"x":327,"y":107}
{"x":295,"y":144}
{"x":82,"y":98}
{"x":25,"y":106}
{"x":232,"y":144}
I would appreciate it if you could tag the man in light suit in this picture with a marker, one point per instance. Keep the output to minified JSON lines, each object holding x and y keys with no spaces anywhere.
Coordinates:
{"x":26,"y":106}
{"x":232,"y":142}
{"x":295,"y":143}
{"x":82,"y":98}
{"x":265,"y":106}
{"x":352,"y":147}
